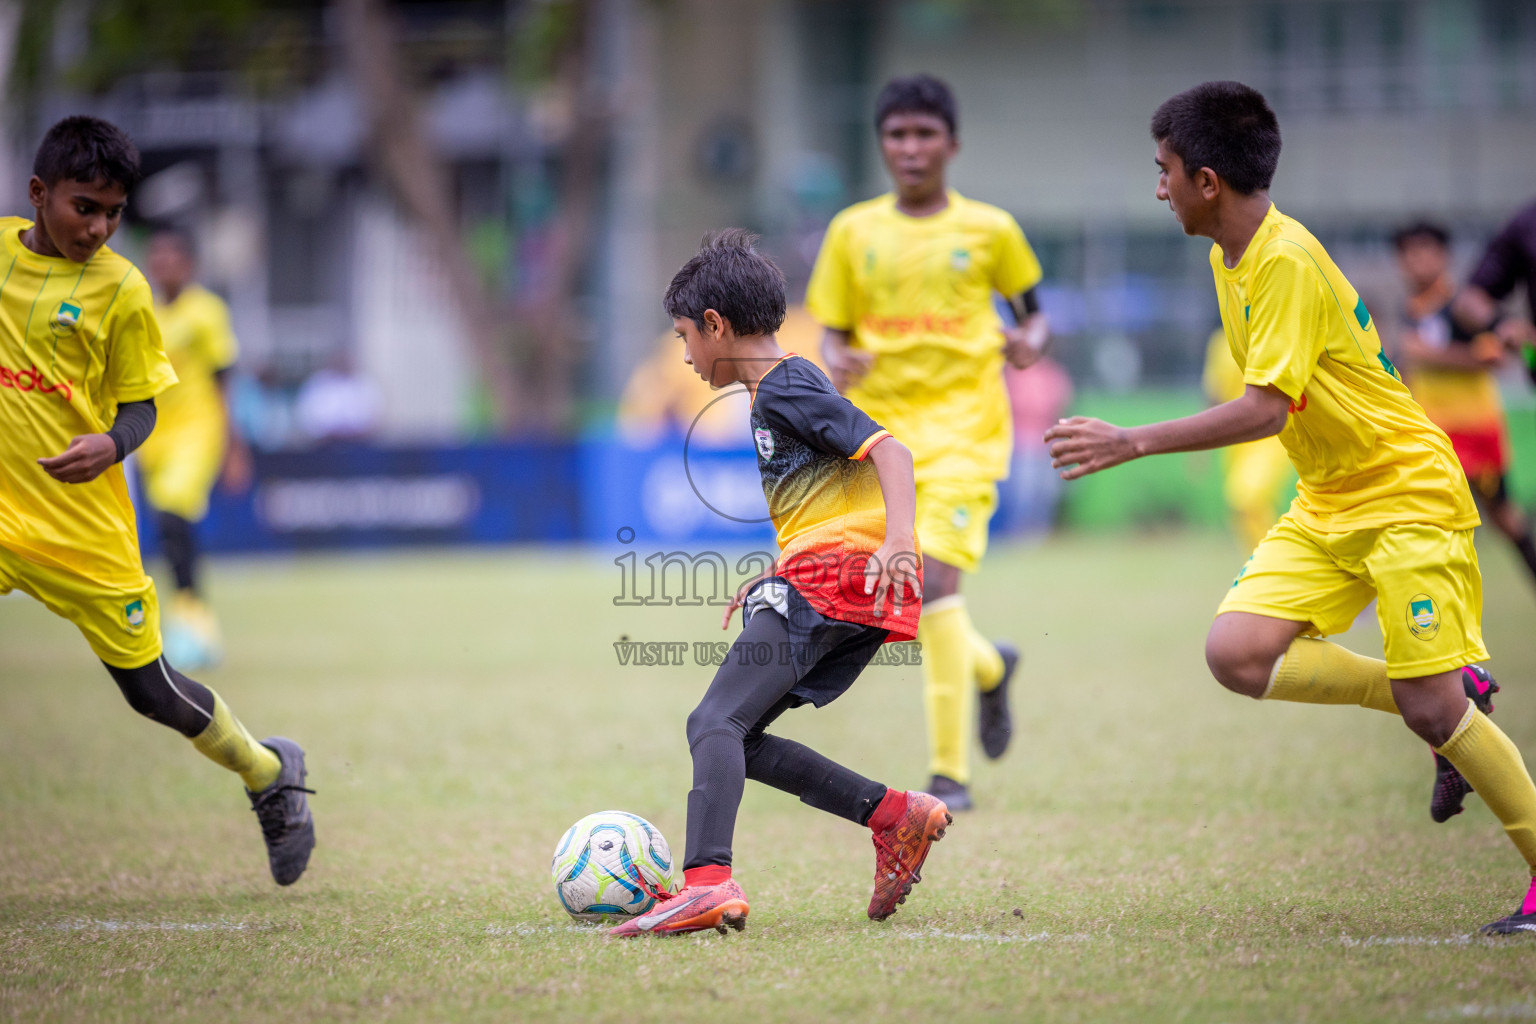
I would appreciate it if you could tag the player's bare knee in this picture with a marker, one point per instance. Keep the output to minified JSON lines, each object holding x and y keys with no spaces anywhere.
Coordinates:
{"x":1235,"y":666}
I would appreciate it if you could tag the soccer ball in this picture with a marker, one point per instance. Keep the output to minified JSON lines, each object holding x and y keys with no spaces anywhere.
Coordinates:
{"x":608,"y":865}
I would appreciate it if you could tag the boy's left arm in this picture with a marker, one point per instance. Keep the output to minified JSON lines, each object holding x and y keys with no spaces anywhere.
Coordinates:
{"x":893,"y":567}
{"x":1082,"y":445}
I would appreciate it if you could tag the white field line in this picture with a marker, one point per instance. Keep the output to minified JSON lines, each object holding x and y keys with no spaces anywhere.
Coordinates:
{"x":1477,"y":1011}
{"x":991,"y":937}
{"x":548,"y":929}
{"x":1404,"y":940}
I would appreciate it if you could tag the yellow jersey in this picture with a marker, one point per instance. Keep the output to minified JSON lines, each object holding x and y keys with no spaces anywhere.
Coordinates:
{"x":75,"y":340}
{"x":199,"y":343}
{"x":917,"y":292}
{"x":1366,"y":454}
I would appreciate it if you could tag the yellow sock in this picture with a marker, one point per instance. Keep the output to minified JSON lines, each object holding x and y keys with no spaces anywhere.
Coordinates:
{"x":949,"y":686}
{"x":989,"y":663}
{"x":1315,"y":671}
{"x":1493,"y":765}
{"x":226,"y":742}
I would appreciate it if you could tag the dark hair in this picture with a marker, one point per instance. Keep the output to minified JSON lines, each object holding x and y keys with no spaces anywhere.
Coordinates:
{"x":1225,"y":126}
{"x":916,"y":94}
{"x":1421,"y":229}
{"x":88,"y":149}
{"x":731,"y":277}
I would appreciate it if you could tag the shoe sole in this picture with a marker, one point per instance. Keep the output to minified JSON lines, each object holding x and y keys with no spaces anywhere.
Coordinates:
{"x":1507,"y":928}
{"x":281,"y":745}
{"x":939,"y":820}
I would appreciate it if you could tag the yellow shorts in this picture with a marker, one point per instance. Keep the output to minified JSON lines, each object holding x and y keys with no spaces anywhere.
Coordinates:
{"x":178,"y":472}
{"x":1428,"y":590}
{"x":952,"y":518}
{"x":122,"y":625}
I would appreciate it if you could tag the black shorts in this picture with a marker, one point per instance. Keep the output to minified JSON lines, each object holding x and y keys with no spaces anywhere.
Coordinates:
{"x":827,"y":654}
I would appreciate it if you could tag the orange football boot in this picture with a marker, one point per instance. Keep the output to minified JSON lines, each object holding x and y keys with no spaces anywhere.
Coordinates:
{"x":695,"y":909}
{"x":900,"y":849}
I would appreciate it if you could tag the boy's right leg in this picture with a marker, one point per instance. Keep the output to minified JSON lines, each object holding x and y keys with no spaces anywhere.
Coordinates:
{"x":741,"y":694}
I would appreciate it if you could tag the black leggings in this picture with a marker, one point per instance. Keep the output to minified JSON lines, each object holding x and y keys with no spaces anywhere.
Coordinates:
{"x":160,"y":693}
{"x":178,"y":539}
{"x":726,"y":736}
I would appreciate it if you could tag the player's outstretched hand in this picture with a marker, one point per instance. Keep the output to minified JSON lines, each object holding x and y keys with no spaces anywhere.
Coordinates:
{"x":892,"y":570}
{"x":847,"y":366}
{"x":1081,"y":445}
{"x":86,"y":458}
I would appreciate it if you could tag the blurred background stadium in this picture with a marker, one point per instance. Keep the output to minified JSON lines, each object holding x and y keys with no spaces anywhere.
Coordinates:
{"x":443,"y":228}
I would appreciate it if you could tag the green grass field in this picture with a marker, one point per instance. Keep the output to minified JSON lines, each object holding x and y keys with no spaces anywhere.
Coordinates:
{"x":1153,"y":848}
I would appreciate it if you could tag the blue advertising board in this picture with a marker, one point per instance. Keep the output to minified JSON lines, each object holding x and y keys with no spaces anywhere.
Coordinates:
{"x":359,"y":496}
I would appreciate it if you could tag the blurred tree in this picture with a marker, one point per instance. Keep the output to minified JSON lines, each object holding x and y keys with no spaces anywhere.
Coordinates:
{"x":526,"y":353}
{"x":422,"y":186}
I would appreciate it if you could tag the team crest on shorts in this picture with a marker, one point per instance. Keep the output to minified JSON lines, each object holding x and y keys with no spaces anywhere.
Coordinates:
{"x":133,"y":615}
{"x":1423,"y":616}
{"x":764,"y":439}
{"x":960,"y":518}
{"x":64,"y":319}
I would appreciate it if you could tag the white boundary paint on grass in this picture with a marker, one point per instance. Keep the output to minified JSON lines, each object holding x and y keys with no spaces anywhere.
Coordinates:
{"x":83,"y":925}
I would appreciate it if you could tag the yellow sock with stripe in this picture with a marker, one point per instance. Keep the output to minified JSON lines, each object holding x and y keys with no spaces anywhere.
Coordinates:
{"x":226,"y":742}
{"x":1491,"y":762}
{"x":1315,"y":671}
{"x":989,"y":663}
{"x":949,"y":685}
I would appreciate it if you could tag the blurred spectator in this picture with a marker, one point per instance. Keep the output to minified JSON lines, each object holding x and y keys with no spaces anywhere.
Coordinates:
{"x":336,"y":404}
{"x":1039,"y":396}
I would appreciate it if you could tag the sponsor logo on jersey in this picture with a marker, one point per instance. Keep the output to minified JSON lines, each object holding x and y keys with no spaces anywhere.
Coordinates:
{"x":32,"y":379}
{"x":133,"y":615}
{"x":960,"y":260}
{"x":64,"y":319}
{"x":1423,"y":616}
{"x":764,"y":439}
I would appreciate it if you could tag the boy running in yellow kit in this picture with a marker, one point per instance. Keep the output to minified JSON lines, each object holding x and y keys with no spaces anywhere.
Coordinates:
{"x":81,"y":362}
{"x":194,"y":437}
{"x":1381,"y":509}
{"x":904,"y":286}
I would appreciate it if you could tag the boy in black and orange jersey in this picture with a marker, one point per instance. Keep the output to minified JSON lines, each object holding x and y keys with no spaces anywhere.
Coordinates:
{"x":81,"y":362}
{"x":842,"y":500}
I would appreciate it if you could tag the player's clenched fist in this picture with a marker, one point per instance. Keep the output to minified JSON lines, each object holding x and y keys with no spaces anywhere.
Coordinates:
{"x":1081,"y":445}
{"x":86,"y":458}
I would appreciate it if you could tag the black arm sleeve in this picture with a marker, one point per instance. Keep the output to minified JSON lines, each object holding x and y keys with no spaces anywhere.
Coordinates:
{"x":800,"y":399}
{"x":1507,"y":258}
{"x":135,"y":421}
